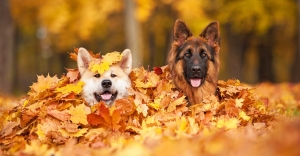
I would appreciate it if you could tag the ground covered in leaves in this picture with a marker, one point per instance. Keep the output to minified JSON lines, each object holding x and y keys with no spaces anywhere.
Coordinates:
{"x":154,"y":120}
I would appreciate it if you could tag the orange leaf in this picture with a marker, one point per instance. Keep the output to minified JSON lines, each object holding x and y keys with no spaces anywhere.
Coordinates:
{"x":104,"y":113}
{"x":95,"y":119}
{"x":115,"y":119}
{"x":125,"y":106}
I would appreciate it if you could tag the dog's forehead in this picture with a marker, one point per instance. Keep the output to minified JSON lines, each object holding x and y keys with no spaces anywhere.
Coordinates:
{"x":195,"y":44}
{"x":116,"y":69}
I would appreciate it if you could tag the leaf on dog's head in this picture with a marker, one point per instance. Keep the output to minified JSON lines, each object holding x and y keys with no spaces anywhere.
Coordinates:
{"x":111,"y":58}
{"x":99,"y":68}
{"x":106,"y":61}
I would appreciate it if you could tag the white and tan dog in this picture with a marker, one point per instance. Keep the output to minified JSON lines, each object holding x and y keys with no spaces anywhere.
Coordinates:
{"x":109,"y":86}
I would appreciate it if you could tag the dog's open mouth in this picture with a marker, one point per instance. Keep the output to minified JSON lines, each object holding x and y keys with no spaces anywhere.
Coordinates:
{"x":195,"y":82}
{"x":105,"y":96}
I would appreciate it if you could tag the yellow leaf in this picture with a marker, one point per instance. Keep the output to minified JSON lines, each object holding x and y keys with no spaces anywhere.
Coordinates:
{"x":182,"y":124}
{"x":156,"y":104}
{"x":100,"y":68}
{"x":112,"y":57}
{"x":106,"y":61}
{"x":40,"y":133}
{"x":78,"y":114}
{"x":244,"y":116}
{"x":79,"y":133}
{"x":25,"y":103}
{"x":194,"y":127}
{"x":231,"y":123}
{"x":141,"y":84}
{"x":36,"y":148}
{"x":75,"y":88}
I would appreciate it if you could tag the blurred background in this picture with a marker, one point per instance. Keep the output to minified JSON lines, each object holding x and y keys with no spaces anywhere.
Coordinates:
{"x":260,"y":38}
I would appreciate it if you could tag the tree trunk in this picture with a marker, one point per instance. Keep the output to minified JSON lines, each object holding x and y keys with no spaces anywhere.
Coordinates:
{"x":235,"y":58}
{"x":6,"y":48}
{"x":133,"y":33}
{"x":295,"y":74}
{"x":265,"y":54}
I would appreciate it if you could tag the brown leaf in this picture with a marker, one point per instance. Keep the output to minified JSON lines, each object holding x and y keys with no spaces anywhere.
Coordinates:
{"x":60,"y":115}
{"x":73,"y":74}
{"x":71,"y":127}
{"x":8,"y":128}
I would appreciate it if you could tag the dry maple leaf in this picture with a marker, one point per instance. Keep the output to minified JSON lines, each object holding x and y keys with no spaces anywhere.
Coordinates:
{"x":78,"y":114}
{"x":157,"y":70}
{"x":73,"y":74}
{"x":73,"y":55}
{"x":99,"y":68}
{"x":153,"y":120}
{"x":75,"y":88}
{"x":111,"y":58}
{"x":106,"y":61}
{"x":44,"y":83}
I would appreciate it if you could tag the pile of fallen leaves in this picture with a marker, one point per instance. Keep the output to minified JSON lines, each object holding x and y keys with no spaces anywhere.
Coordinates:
{"x":154,"y":120}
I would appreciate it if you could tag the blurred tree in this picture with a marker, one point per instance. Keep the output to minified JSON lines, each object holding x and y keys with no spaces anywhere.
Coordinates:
{"x":133,"y":33}
{"x":254,"y":23}
{"x":6,"y":48}
{"x":259,"y":37}
{"x":48,"y":29}
{"x":158,"y":28}
{"x":296,"y":66}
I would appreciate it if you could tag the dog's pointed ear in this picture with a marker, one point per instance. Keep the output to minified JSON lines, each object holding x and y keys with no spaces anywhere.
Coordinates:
{"x":126,"y":62}
{"x":181,"y":32}
{"x":212,"y":33}
{"x":83,"y":60}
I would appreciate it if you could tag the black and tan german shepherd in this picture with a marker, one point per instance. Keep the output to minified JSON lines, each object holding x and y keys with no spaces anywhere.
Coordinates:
{"x":194,"y":61}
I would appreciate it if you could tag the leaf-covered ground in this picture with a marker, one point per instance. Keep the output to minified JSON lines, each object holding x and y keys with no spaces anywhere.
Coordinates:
{"x":154,"y":120}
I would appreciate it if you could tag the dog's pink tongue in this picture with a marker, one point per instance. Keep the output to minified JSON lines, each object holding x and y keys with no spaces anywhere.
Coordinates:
{"x":106,"y":96}
{"x":195,"y":82}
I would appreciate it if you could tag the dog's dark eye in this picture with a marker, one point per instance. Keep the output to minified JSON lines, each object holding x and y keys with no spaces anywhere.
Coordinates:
{"x":113,"y":75}
{"x":188,"y":53}
{"x":203,"y":55}
{"x":97,"y":75}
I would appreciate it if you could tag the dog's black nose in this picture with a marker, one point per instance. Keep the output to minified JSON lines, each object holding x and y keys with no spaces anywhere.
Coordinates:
{"x":196,"y":69}
{"x":106,"y":83}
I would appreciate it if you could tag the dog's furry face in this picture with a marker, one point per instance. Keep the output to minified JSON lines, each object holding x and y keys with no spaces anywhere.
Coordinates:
{"x":110,"y":85}
{"x":194,"y":61}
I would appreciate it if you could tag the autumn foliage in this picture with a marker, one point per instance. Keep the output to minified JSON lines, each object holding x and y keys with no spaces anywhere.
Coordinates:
{"x":154,"y":120}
